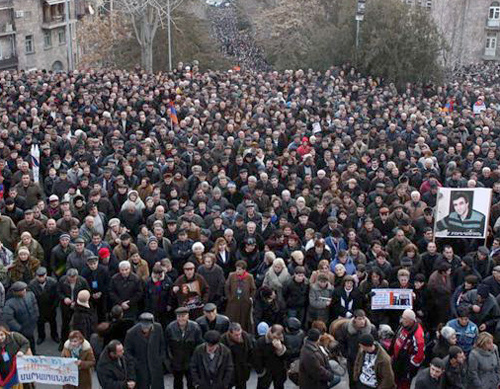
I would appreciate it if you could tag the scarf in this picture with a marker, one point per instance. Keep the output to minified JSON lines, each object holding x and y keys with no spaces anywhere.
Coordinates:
{"x":75,"y":352}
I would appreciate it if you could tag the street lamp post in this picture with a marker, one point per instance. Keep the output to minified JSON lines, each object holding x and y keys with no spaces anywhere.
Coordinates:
{"x":69,"y":40}
{"x":360,"y":15}
{"x":169,"y":38}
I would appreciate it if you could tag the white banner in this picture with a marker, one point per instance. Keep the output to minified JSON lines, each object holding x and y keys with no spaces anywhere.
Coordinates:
{"x":392,"y":299}
{"x":47,"y":370}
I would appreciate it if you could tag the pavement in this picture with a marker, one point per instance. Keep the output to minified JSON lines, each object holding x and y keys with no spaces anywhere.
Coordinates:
{"x":49,"y":347}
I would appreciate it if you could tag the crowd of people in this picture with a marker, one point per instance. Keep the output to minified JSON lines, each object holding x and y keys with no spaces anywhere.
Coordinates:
{"x":235,"y":43}
{"x":211,"y":224}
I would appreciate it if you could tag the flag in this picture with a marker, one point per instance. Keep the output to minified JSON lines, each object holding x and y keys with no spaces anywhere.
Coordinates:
{"x":173,"y":114}
{"x":11,"y":380}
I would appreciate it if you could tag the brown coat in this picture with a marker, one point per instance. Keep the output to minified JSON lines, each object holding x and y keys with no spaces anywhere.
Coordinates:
{"x":122,"y":255}
{"x":16,"y":272}
{"x":239,"y":308}
{"x":383,"y":368}
{"x":142,"y":269}
{"x":85,"y":369}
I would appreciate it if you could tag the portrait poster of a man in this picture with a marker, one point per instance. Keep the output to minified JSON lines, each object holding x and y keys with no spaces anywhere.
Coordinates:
{"x":462,"y":213}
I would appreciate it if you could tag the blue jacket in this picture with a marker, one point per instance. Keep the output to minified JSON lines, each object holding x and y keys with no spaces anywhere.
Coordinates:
{"x":350,"y":267}
{"x":335,"y":247}
{"x":466,"y":336}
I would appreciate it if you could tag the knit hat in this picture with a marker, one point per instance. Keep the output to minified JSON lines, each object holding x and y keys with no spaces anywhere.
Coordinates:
{"x":262,"y":328}
{"x":366,"y":340}
{"x":409,"y":314}
{"x":483,"y":290}
{"x":104,"y":252}
{"x":24,"y":250}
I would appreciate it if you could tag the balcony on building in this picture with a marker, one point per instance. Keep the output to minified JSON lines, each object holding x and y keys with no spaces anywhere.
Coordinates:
{"x":7,"y":26}
{"x":9,"y":63}
{"x":54,"y":14}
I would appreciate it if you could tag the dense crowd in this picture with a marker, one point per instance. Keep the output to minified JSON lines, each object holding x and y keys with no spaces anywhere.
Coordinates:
{"x":208,"y":224}
{"x":236,"y":43}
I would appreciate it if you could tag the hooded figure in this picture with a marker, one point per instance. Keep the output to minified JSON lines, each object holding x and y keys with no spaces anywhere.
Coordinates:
{"x":134,"y":199}
{"x":84,"y":318}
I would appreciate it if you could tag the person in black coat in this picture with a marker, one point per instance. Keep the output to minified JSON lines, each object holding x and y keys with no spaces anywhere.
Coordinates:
{"x":157,"y":294}
{"x":346,"y":299}
{"x":267,"y":308}
{"x":47,"y":297}
{"x":314,"y":369}
{"x":293,"y":338}
{"x":126,"y":289}
{"x":211,"y":365}
{"x":84,"y":318}
{"x":20,"y":312}
{"x":97,"y":277}
{"x":145,"y":344}
{"x":115,"y":369}
{"x":296,"y":294}
{"x":118,"y":326}
{"x":211,"y":320}
{"x":241,"y":346}
{"x":69,"y":286}
{"x":270,"y":357}
{"x":182,"y":337}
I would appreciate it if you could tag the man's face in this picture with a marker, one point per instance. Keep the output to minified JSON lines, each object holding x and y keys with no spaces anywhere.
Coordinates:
{"x":463,"y":321}
{"x":460,"y":358}
{"x":125,"y":271}
{"x":119,"y":351}
{"x":461,"y":206}
{"x":79,"y":247}
{"x":182,"y":319}
{"x":236,"y":336}
{"x":211,"y":315}
{"x":435,"y":372}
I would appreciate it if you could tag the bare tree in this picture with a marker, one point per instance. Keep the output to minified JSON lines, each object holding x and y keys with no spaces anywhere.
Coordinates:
{"x":146,"y":16}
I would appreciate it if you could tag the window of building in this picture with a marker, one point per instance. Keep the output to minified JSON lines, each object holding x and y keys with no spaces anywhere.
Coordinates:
{"x":494,"y":11}
{"x":62,"y":36}
{"x":29,"y":44}
{"x":47,"y":39}
{"x":491,"y":44}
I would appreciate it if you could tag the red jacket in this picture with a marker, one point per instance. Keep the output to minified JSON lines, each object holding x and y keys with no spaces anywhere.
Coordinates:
{"x":411,"y":340}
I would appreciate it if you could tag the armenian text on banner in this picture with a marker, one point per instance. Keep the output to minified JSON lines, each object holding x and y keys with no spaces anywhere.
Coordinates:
{"x":47,"y":370}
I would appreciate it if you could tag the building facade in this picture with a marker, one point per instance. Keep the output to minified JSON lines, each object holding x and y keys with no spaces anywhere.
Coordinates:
{"x":471,"y":28}
{"x":34,"y":34}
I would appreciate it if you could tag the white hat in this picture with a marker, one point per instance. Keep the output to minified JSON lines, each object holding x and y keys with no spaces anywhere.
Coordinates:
{"x":409,"y":314}
{"x":53,"y":198}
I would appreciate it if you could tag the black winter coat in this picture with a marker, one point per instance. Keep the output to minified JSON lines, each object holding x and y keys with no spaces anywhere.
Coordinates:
{"x":111,"y":374}
{"x":314,"y":370}
{"x":296,"y":294}
{"x":265,"y":358}
{"x":221,"y":377}
{"x":84,"y":320}
{"x":180,"y":347}
{"x":157,"y":298}
{"x":21,"y":314}
{"x":148,"y":355}
{"x":221,"y":324}
{"x":47,"y":298}
{"x":98,"y":279}
{"x":242,"y":354}
{"x":126,"y":289}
